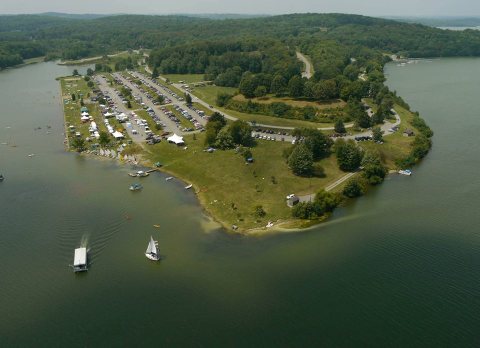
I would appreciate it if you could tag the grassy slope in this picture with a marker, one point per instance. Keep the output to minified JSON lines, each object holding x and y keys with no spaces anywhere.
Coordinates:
{"x":222,"y":178}
{"x":209,"y":95}
{"x":294,"y":102}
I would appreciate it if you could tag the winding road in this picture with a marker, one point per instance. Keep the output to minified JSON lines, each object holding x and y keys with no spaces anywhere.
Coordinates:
{"x":308,"y":72}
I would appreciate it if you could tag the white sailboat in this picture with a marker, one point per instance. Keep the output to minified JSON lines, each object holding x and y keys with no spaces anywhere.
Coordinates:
{"x":152,"y":252}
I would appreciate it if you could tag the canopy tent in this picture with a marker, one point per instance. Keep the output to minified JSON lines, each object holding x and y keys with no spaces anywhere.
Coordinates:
{"x":108,"y":114}
{"x":85,"y":118}
{"x":118,"y":135}
{"x":84,"y":109}
{"x":176,"y":139}
{"x":85,"y":114}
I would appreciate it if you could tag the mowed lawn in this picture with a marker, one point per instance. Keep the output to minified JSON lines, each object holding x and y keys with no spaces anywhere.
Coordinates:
{"x":186,"y":78}
{"x":395,"y":145}
{"x":209,"y":95}
{"x":230,"y":189}
{"x":300,"y":103}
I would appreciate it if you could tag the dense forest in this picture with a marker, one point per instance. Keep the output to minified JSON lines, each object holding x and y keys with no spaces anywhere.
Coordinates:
{"x":27,"y":36}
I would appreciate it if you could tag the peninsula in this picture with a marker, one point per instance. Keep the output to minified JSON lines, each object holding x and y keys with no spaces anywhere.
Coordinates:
{"x":273,"y":121}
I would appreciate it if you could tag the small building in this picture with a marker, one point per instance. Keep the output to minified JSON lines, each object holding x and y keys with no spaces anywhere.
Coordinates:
{"x":408,"y":133}
{"x":292,"y":201}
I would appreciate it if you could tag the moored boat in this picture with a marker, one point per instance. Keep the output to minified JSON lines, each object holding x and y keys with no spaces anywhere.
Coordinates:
{"x":142,"y":174}
{"x":188,"y":187}
{"x":407,"y":172}
{"x":136,"y":187}
{"x":152,"y":252}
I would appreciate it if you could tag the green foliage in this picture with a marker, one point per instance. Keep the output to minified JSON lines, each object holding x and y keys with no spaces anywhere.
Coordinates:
{"x":224,"y":140}
{"x":247,"y":86}
{"x":223,"y":99}
{"x":356,"y":111}
{"x":349,"y":155}
{"x":279,"y":85}
{"x":104,"y":138}
{"x":355,"y":187}
{"x":75,"y":72}
{"x":90,"y":84}
{"x":259,"y":212}
{"x":78,"y":144}
{"x":90,"y":72}
{"x":374,"y":173}
{"x":295,"y":87}
{"x":317,"y":143}
{"x":161,"y":99}
{"x":260,"y":91}
{"x":340,"y":127}
{"x":241,"y":133}
{"x":324,"y":202}
{"x":74,"y":97}
{"x":377,"y":134}
{"x":300,"y":160}
{"x":188,"y":99}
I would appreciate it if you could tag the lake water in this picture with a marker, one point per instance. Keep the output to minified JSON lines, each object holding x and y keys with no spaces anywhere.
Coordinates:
{"x":399,"y":267}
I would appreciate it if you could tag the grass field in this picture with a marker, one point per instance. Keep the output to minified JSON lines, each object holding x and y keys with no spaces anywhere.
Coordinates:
{"x":186,"y":78}
{"x":395,"y":145}
{"x":229,"y":189}
{"x":294,"y":102}
{"x":209,"y":95}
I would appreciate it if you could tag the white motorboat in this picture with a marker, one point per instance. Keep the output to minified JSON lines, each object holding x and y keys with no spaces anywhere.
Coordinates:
{"x":407,"y":172}
{"x":152,"y":253}
{"x":188,"y":187}
{"x":80,"y":260}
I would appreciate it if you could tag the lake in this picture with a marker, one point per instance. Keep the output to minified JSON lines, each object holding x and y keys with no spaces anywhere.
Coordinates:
{"x":399,"y":267}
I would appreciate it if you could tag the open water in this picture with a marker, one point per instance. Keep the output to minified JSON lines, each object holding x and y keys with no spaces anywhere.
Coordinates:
{"x":399,"y":267}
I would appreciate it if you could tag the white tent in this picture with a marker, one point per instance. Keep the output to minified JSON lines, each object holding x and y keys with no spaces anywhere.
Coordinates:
{"x":85,"y":114}
{"x":85,"y":118}
{"x":118,"y":135}
{"x":108,"y":114}
{"x":176,"y":139}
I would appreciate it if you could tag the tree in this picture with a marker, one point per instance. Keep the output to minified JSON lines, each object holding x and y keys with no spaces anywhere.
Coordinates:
{"x":74,"y":97}
{"x":241,"y":133}
{"x":224,"y":139}
{"x":160,"y":99}
{"x":377,"y":134}
{"x":90,"y":72}
{"x":300,"y":160}
{"x":223,"y":99}
{"x":325,"y":90}
{"x":188,"y":99}
{"x":318,"y":143}
{"x":104,"y":138}
{"x":155,"y":73}
{"x":295,"y":87}
{"x":90,"y":84}
{"x":349,"y":155}
{"x":218,"y":117}
{"x":75,"y":72}
{"x":259,"y":212}
{"x":260,"y":91}
{"x":129,"y":104}
{"x":210,"y":136}
{"x":374,"y":174}
{"x":326,"y":201}
{"x":247,"y":86}
{"x":354,"y":188}
{"x":78,"y":144}
{"x":340,"y":127}
{"x":278,"y":85}
{"x":373,"y":169}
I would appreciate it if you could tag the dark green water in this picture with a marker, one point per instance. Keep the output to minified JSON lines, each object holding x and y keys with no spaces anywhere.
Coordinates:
{"x":400,"y":267}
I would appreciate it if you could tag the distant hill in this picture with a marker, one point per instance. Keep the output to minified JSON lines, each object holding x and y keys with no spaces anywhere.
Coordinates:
{"x":73,"y":16}
{"x":441,"y":21}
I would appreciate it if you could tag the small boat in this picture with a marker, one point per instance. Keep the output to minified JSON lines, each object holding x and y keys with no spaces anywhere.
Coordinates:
{"x":152,"y":253}
{"x":1,"y":177}
{"x":188,"y":187}
{"x":142,"y":174}
{"x":407,"y":172}
{"x":136,"y":187}
{"x":80,"y":260}
{"x":169,"y":178}
{"x":31,"y":155}
{"x":133,"y":175}
{"x":270,"y":224}
{"x":156,"y":226}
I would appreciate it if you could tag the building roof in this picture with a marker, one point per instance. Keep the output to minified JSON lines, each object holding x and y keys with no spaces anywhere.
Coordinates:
{"x":117,"y":135}
{"x":80,"y":257}
{"x":176,"y":139}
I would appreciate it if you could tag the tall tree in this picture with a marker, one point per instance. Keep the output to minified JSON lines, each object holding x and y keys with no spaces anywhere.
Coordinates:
{"x":300,"y":160}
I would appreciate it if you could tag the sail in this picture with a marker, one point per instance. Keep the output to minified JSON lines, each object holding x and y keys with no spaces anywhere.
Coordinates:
{"x":152,"y":248}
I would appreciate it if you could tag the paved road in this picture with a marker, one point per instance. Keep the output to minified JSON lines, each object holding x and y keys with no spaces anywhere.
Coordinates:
{"x":308,"y":72}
